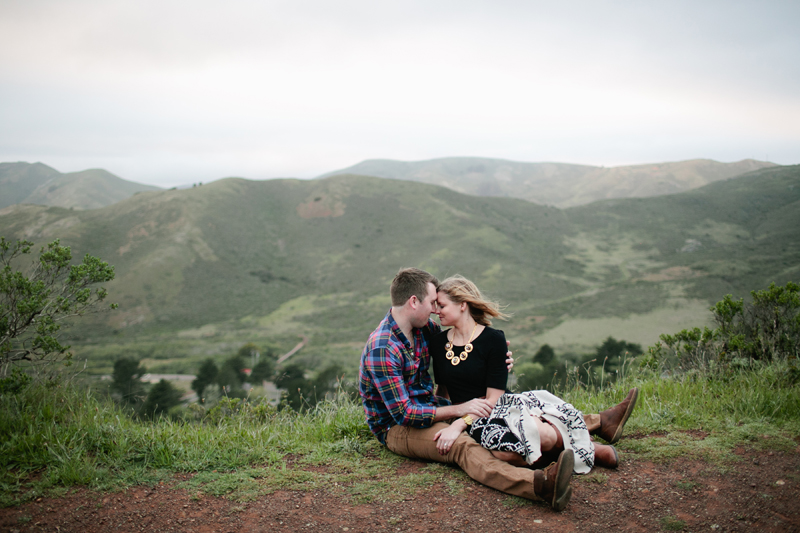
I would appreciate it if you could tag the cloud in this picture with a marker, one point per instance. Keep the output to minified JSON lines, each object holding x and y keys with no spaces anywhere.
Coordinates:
{"x":297,"y":88}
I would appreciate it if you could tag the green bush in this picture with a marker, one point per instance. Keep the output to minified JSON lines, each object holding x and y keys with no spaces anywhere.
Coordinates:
{"x":34,"y":302}
{"x":766,"y":329}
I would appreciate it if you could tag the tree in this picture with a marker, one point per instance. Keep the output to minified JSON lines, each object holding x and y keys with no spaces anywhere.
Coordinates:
{"x":539,"y":373}
{"x":533,"y":376}
{"x":612,"y":348}
{"x":603,"y":365}
{"x":250,"y":352}
{"x":261,"y":361}
{"x":34,"y":302}
{"x":126,"y":376}
{"x":162,"y":397}
{"x":545,"y":355}
{"x":231,"y":376}
{"x":237,"y":364}
{"x":263,"y":371}
{"x":292,"y":379}
{"x":207,"y":375}
{"x":327,"y":380}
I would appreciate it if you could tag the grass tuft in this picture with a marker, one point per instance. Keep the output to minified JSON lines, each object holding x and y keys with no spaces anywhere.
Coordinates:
{"x":670,"y":523}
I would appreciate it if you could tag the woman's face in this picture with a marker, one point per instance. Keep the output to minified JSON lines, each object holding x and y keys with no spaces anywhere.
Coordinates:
{"x":449,"y":312}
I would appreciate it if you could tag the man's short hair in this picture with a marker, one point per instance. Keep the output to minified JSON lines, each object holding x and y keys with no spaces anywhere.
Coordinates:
{"x":411,"y":282}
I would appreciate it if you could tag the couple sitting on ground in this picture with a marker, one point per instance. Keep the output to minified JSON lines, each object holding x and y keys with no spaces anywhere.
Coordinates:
{"x":499,"y":439}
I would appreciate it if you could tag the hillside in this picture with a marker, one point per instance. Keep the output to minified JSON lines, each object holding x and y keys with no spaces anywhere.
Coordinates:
{"x":202,"y":270}
{"x":25,"y":183}
{"x":558,"y":184}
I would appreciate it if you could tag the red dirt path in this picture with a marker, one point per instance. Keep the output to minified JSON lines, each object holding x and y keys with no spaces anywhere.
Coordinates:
{"x":760,"y":493}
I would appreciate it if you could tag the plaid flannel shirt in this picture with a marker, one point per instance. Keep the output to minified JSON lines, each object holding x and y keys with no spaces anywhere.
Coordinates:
{"x":395,"y":386}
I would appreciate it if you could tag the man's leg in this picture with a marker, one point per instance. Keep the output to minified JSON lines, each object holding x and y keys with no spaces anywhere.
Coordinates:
{"x":477,"y":462}
{"x":417,"y":443}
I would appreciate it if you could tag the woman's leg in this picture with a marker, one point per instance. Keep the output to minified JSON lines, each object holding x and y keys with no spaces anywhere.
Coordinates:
{"x":605,"y":455}
{"x":510,"y":457}
{"x":549,"y":439}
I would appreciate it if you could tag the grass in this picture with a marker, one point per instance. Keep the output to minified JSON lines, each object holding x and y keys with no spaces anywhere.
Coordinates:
{"x":670,"y":523}
{"x":65,"y":437}
{"x":700,"y":415}
{"x":686,"y":484}
{"x":596,"y":476}
{"x":53,"y":438}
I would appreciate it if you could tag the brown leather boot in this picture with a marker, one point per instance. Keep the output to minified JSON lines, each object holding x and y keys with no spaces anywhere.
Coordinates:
{"x":552,"y":483}
{"x":605,"y":455}
{"x":613,"y":420}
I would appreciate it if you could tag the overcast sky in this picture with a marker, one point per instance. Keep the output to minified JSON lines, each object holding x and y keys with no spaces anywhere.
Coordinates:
{"x":172,"y":92}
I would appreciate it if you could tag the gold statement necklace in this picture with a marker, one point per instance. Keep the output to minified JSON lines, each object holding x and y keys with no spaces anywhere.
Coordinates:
{"x":451,"y":356}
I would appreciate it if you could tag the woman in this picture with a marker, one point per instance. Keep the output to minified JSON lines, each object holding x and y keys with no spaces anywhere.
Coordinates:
{"x":469,"y":362}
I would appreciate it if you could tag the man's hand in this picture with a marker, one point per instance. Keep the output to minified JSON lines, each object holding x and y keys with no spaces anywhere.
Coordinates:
{"x":509,"y":359}
{"x":446,"y":437}
{"x":478,"y":408}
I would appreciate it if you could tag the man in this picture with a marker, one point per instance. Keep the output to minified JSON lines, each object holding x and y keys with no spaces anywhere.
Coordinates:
{"x":404,"y":414}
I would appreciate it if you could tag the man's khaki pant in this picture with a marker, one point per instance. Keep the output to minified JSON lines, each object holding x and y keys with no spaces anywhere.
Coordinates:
{"x":477,"y":462}
{"x":592,"y":423}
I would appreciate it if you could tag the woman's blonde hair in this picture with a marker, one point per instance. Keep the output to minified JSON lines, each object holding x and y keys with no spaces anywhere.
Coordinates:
{"x":459,"y":289}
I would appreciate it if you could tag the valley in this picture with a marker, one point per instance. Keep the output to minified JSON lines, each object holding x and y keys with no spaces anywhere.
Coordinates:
{"x":201,"y":271}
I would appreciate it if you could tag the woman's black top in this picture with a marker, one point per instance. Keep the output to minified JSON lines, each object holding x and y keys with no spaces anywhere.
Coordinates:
{"x":484,"y":367}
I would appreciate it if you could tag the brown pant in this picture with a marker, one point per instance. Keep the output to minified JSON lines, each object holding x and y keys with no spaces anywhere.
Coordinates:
{"x":477,"y":462}
{"x":592,"y":423}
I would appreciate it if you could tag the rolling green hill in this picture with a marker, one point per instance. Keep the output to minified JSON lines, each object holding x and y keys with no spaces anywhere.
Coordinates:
{"x":201,"y":271}
{"x":558,"y":184}
{"x":25,"y":183}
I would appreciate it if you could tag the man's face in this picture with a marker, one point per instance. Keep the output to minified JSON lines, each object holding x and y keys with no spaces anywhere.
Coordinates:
{"x":425,"y":308}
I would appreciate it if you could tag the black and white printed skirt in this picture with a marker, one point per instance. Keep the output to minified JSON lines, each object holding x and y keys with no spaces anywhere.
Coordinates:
{"x":510,"y":427}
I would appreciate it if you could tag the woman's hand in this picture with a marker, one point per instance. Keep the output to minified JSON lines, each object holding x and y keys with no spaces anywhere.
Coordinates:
{"x":446,"y":437}
{"x":509,"y":359}
{"x":477,"y":407}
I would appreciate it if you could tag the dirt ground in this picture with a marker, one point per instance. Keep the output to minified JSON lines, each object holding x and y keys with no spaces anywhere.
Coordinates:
{"x":760,"y":493}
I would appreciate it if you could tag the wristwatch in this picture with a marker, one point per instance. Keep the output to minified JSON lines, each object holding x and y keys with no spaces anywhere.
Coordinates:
{"x":468,"y":419}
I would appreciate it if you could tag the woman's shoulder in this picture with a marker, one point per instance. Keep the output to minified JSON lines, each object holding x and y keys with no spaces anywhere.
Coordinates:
{"x":491,"y":333}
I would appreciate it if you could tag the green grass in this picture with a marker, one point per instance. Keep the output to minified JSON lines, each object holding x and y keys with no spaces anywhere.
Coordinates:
{"x":686,"y":484}
{"x":596,"y":476}
{"x":56,"y":437}
{"x":65,"y":437}
{"x":670,"y":523}
{"x":702,"y":416}
{"x":745,"y":399}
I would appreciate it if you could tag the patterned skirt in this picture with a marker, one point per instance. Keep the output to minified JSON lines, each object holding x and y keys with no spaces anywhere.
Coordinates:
{"x":511,"y":427}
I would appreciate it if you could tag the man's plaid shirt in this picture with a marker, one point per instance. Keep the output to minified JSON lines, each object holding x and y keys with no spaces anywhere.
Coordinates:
{"x":395,"y":386}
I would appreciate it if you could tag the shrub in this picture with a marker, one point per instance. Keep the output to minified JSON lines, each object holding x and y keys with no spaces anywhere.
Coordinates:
{"x":765,"y":330}
{"x":35,"y":301}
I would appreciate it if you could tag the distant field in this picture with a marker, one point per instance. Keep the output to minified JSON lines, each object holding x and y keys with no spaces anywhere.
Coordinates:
{"x":581,"y":335}
{"x":202,"y":271}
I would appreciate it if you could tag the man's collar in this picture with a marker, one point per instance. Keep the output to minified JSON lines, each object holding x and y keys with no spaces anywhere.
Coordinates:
{"x":399,"y":332}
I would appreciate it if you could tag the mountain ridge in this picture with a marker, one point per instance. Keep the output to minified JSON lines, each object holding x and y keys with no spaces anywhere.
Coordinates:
{"x":558,"y":184}
{"x":37,"y":183}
